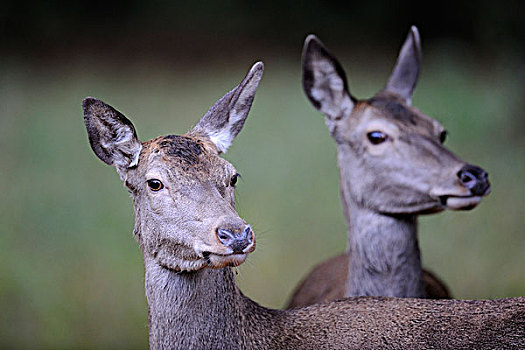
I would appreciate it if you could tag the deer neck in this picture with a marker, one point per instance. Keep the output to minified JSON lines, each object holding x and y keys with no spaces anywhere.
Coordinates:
{"x":384,"y":257}
{"x":194,"y":310}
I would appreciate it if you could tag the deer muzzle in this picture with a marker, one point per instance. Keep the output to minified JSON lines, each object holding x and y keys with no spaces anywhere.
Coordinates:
{"x":238,"y":241}
{"x":474,"y":179}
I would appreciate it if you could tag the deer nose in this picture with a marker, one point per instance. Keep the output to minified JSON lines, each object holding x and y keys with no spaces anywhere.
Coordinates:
{"x":475,"y":179}
{"x":238,"y":241}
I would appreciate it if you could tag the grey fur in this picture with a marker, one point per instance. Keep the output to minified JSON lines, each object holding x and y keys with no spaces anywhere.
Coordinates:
{"x":383,"y":187}
{"x":406,"y":71}
{"x":227,"y":116}
{"x":193,"y":301}
{"x":111,"y":135}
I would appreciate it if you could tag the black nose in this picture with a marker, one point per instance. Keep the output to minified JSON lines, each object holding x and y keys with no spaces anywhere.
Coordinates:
{"x":475,"y":179}
{"x":236,"y":240}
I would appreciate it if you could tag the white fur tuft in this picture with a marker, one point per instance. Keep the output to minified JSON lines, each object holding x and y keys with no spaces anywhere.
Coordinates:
{"x":222,"y":139}
{"x":135,"y":159}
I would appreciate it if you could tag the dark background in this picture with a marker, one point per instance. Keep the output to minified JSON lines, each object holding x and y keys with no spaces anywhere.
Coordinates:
{"x":71,"y":275}
{"x":197,"y":28}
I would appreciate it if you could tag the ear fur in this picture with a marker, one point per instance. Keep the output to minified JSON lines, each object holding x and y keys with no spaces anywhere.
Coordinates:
{"x":405,"y":74}
{"x":225,"y":119}
{"x":111,"y":135}
{"x":324,"y":81}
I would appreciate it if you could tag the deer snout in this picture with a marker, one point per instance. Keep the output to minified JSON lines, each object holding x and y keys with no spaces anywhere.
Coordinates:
{"x":474,"y":179}
{"x":237,"y":240}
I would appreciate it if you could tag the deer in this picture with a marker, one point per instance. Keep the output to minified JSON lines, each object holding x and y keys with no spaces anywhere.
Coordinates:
{"x":393,"y":167}
{"x":191,"y":238}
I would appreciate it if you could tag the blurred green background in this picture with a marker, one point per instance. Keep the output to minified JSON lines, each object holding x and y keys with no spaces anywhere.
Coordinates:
{"x":71,"y":275}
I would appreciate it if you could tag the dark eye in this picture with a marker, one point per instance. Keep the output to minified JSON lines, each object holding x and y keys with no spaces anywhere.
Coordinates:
{"x":377,"y":137}
{"x":155,"y":185}
{"x":443,"y":136}
{"x":233,"y":180}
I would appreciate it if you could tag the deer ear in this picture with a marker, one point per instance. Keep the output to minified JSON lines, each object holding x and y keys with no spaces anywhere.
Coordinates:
{"x":324,"y":80}
{"x":111,"y":135}
{"x":404,"y":77}
{"x":226,"y":117}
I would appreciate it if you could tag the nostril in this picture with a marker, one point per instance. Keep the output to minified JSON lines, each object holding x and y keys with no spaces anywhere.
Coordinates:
{"x":247,"y":234}
{"x":467,"y":178}
{"x":475,"y":179}
{"x":225,"y":236}
{"x":238,"y":240}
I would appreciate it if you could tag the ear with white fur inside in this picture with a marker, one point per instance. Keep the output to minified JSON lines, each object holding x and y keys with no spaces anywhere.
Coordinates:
{"x":111,"y":135}
{"x":226,"y":117}
{"x":324,"y":81}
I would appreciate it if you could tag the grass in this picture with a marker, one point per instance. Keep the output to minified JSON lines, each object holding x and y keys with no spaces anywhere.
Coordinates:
{"x":71,"y":275}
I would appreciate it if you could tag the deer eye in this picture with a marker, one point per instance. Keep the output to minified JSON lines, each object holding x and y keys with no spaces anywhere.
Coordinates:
{"x":377,"y":137}
{"x":155,"y":185}
{"x":443,"y":136}
{"x":233,"y":180}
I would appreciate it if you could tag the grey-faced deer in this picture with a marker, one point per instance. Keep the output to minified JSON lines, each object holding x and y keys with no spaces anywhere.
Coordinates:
{"x":191,"y":235}
{"x":393,"y":167}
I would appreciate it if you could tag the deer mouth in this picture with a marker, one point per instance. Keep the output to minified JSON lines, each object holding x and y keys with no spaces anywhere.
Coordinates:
{"x":460,"y":202}
{"x":220,"y":260}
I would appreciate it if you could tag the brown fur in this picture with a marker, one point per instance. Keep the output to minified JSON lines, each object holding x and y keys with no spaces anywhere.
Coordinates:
{"x":384,"y":185}
{"x":327,"y":280}
{"x":193,"y":301}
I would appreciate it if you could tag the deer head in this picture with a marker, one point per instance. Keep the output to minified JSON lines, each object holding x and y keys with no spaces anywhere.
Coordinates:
{"x":183,"y":191}
{"x":390,"y":154}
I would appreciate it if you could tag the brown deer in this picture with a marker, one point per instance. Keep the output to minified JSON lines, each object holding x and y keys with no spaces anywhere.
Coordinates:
{"x":392,"y":168}
{"x":191,"y":236}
